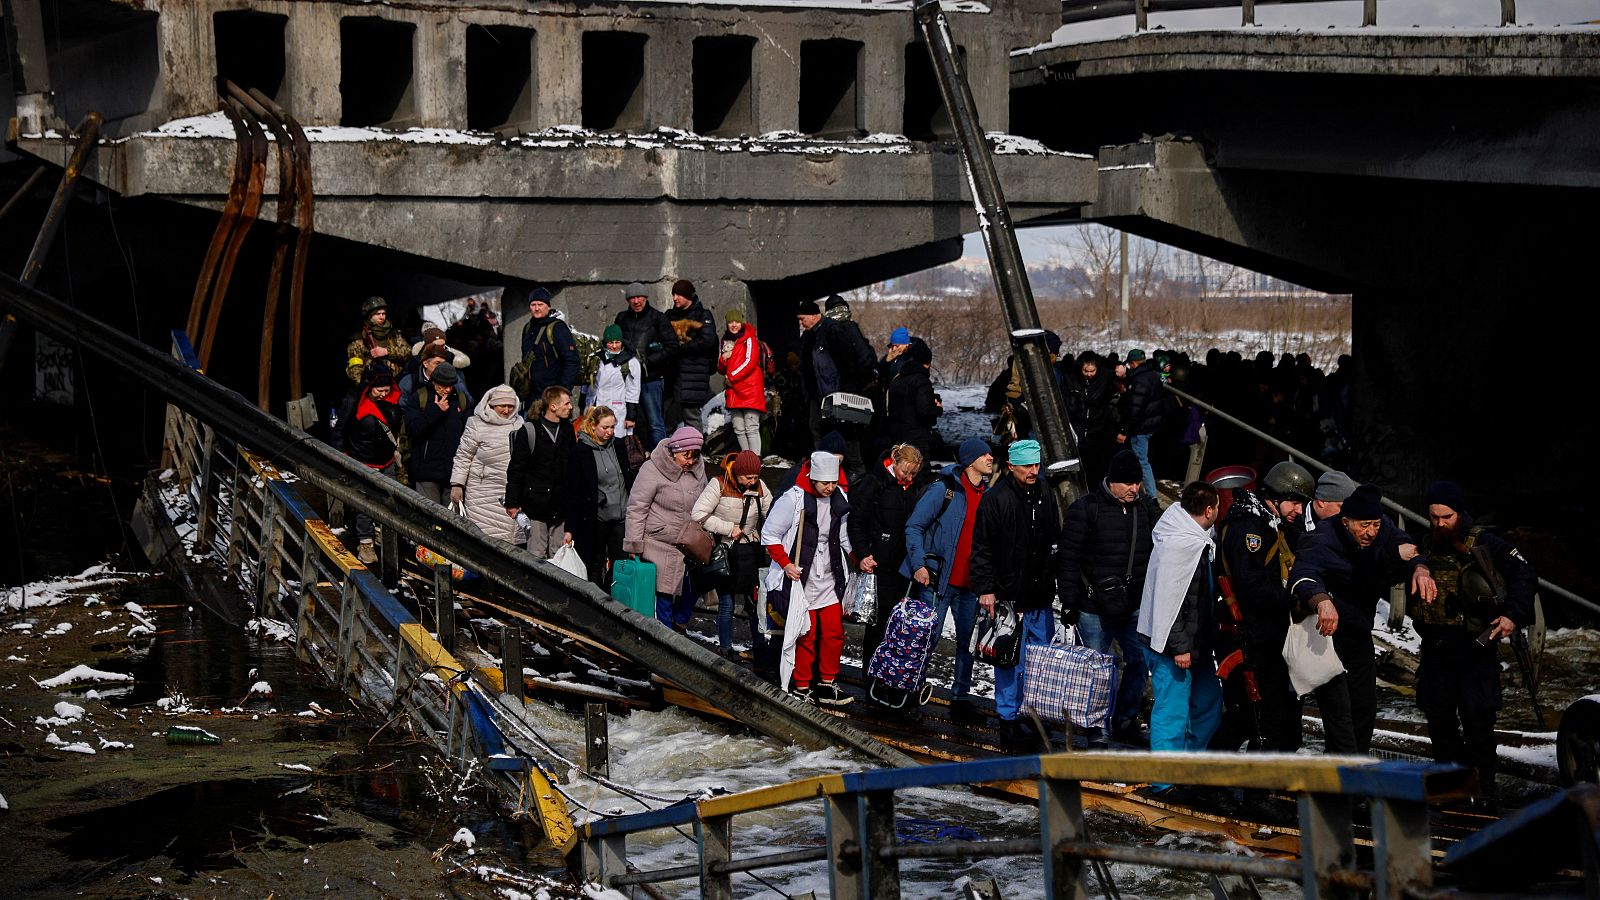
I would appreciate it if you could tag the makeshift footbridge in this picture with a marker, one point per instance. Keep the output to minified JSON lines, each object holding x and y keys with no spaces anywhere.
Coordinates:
{"x":250,"y":481}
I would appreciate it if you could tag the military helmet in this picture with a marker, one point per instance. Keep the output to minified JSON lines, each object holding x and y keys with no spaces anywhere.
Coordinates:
{"x":372,"y":305}
{"x":1289,"y":481}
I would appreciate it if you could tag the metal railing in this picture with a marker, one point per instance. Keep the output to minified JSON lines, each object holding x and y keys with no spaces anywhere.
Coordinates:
{"x":292,"y":567}
{"x":1075,"y":11}
{"x":863,"y":857}
{"x":1309,"y":460}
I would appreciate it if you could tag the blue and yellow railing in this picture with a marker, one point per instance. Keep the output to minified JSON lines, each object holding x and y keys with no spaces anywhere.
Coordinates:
{"x":863,"y":857}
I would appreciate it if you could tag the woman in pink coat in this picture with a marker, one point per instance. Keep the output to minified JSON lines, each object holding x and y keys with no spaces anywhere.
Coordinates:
{"x":660,"y":504}
{"x":741,"y":364}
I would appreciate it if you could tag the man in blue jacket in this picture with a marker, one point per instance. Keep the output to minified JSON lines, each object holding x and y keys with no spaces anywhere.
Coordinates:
{"x":1340,"y":573}
{"x":548,"y":347}
{"x":939,"y":555}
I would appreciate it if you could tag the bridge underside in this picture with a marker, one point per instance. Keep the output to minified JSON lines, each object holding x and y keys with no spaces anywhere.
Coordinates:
{"x":1433,"y":177}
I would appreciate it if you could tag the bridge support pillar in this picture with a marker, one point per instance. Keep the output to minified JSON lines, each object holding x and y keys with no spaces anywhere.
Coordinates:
{"x":1060,"y":821}
{"x":1402,"y":852}
{"x":1327,"y":844}
{"x":716,"y":846}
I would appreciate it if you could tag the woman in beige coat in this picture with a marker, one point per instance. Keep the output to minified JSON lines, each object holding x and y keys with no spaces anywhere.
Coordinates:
{"x":659,"y":506}
{"x":732,"y":507}
{"x":478,"y":478}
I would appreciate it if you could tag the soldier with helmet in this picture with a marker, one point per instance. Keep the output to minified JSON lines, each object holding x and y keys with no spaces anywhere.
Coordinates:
{"x":1485,"y":593}
{"x":379,"y":339}
{"x":1257,"y":541}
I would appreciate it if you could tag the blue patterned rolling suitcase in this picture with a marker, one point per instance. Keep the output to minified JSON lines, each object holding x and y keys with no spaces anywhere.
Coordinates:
{"x":896,"y":671}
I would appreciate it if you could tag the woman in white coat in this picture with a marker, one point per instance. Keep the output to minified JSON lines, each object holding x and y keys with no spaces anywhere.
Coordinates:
{"x":807,"y":538}
{"x":616,"y":381}
{"x":478,"y":477}
{"x":733,"y":507}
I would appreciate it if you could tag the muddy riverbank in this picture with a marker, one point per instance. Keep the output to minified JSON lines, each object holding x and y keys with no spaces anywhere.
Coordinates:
{"x":303,"y":794}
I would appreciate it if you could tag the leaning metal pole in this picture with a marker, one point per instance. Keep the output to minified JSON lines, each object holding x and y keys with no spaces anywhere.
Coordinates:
{"x":88,"y":137}
{"x":1005,"y":258}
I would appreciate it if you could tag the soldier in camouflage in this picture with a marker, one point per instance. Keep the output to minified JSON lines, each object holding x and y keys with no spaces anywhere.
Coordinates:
{"x":1485,"y":593}
{"x":379,"y":339}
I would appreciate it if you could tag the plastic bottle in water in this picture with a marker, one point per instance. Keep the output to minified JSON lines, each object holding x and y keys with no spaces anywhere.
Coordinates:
{"x":188,"y":736}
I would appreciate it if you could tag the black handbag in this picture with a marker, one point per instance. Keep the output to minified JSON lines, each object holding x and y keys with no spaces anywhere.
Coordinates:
{"x":746,"y":559}
{"x":1110,"y":594}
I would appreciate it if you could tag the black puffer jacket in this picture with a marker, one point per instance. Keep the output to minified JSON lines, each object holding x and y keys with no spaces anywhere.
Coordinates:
{"x":911,"y":412}
{"x":879,"y":508}
{"x":1095,"y":535}
{"x":1330,"y":562}
{"x":536,"y":479}
{"x":1088,"y":402}
{"x":1013,"y":545}
{"x":1139,"y":407}
{"x":697,"y":352}
{"x":649,"y":335}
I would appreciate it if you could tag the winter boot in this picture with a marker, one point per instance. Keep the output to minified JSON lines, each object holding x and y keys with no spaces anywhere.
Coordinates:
{"x":829,"y":694}
{"x":366,"y":552}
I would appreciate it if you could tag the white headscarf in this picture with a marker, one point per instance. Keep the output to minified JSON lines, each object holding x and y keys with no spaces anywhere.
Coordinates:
{"x":501,"y":395}
{"x":1179,"y":541}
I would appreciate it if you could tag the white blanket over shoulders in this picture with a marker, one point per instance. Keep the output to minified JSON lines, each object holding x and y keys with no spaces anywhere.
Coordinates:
{"x":1179,"y":541}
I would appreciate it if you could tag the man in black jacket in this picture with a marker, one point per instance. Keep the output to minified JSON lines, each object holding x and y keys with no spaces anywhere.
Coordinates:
{"x":696,"y":333}
{"x":833,"y":357}
{"x":1485,"y":593}
{"x":1341,"y":572}
{"x":435,"y":419}
{"x":1089,"y":409}
{"x":536,"y":479}
{"x":1012,"y":567}
{"x":646,"y":331}
{"x":1105,"y":550}
{"x":1258,"y":541}
{"x":911,"y":408}
{"x":1139,"y":412}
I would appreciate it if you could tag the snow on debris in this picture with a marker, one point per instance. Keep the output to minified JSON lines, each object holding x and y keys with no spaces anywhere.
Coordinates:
{"x":216,"y":125}
{"x":465,"y":837}
{"x":296,"y":767}
{"x":270,"y":629}
{"x":50,"y":593}
{"x":82,"y":673}
{"x":55,"y":741}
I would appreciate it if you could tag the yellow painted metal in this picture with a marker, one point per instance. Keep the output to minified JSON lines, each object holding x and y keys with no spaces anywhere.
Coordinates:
{"x":768,"y":797}
{"x":332,"y":547}
{"x":260,"y":466}
{"x":435,"y":658}
{"x":1273,"y":772}
{"x":551,"y":808}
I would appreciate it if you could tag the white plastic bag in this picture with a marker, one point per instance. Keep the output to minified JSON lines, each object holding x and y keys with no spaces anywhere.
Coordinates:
{"x":1312,"y":660}
{"x":567,"y":558}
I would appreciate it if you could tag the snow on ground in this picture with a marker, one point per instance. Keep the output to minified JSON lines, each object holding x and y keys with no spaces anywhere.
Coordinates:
{"x":84,"y":585}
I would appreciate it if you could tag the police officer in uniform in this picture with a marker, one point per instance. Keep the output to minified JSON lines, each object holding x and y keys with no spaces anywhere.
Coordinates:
{"x":1260,"y":706}
{"x":1485,"y":593}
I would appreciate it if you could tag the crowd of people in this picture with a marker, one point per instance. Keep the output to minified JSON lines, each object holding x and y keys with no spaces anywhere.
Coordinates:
{"x":601,"y":446}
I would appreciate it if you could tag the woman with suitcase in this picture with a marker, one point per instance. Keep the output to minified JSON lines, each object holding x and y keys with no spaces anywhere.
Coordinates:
{"x":660,"y":511}
{"x":733,"y":507}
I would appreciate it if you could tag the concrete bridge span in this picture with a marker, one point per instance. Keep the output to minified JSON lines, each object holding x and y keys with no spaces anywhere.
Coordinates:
{"x":1433,"y":175}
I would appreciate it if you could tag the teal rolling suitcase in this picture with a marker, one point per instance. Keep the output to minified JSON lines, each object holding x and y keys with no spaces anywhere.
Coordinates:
{"x":633,"y":584}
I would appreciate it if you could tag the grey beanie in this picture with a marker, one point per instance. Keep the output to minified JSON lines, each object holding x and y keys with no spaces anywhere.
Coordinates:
{"x":635,"y":289}
{"x":1335,"y":487}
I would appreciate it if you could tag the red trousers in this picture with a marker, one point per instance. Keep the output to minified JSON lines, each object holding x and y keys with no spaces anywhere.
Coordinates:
{"x":821,"y":646}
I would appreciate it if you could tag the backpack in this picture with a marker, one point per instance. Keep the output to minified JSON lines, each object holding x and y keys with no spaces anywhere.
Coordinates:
{"x":769,"y":365}
{"x":521,"y":379}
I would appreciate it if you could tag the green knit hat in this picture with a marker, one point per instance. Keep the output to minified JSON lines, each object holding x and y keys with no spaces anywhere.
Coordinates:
{"x":613,"y":332}
{"x":734,"y":315}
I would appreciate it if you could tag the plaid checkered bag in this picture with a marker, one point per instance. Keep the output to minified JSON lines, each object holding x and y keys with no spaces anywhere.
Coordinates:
{"x":1075,"y":681}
